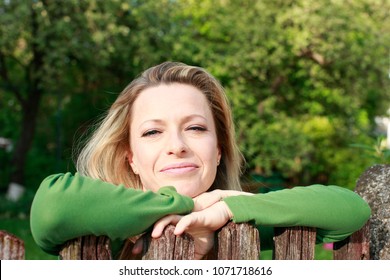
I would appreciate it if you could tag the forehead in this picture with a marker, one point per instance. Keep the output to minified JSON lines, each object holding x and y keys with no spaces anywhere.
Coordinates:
{"x":173,"y":100}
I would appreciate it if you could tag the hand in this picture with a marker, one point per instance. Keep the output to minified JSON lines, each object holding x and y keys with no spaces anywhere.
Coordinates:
{"x":138,"y":246}
{"x":132,"y":248}
{"x":200,"y":225}
{"x":207,"y":199}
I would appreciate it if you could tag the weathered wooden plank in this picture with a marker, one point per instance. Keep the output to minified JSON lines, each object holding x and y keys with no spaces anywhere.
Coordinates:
{"x":355,"y":247}
{"x":87,"y":248}
{"x":238,"y":242}
{"x":71,"y":250}
{"x":11,"y":247}
{"x":294,"y":243}
{"x":103,"y":245}
{"x":168,"y":246}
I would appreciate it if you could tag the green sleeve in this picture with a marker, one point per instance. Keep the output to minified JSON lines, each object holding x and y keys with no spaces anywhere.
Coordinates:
{"x":336,"y":212}
{"x":66,"y":207}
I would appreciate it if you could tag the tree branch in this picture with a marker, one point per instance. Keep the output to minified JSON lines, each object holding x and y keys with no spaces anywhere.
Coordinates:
{"x":316,"y":57}
{"x":4,"y":75}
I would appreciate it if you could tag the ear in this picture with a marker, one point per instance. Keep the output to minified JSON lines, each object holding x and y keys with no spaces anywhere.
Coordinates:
{"x":131,"y":162}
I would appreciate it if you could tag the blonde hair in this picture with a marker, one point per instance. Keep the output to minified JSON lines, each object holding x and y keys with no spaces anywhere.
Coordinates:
{"x":105,"y":154}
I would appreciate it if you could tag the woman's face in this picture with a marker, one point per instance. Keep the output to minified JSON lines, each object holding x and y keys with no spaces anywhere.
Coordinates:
{"x":173,"y":139}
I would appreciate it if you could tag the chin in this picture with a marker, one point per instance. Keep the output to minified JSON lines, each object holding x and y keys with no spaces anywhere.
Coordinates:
{"x":188,"y":192}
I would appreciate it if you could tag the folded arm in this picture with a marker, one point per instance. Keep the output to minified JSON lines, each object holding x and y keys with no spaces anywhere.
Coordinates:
{"x":67,"y":206}
{"x":336,"y":212}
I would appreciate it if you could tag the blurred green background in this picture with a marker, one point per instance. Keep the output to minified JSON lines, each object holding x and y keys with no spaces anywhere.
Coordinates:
{"x":308,"y":82}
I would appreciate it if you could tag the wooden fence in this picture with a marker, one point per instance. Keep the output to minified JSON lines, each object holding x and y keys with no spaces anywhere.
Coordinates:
{"x":233,"y":242}
{"x":242,"y":241}
{"x":11,"y":247}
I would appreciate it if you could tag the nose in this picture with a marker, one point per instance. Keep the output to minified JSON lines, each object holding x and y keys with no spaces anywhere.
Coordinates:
{"x":176,"y":144}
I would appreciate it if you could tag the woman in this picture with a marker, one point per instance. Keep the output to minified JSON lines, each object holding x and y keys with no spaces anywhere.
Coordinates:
{"x":166,"y":148}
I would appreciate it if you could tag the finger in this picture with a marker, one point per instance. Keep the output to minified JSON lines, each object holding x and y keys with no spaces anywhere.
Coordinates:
{"x":207,"y":199}
{"x":198,"y":256}
{"x":185,"y":223}
{"x":138,"y":245}
{"x":161,"y":224}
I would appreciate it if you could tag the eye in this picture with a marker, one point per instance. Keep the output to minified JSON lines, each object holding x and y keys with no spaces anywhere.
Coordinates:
{"x":197,"y":128}
{"x":151,"y":132}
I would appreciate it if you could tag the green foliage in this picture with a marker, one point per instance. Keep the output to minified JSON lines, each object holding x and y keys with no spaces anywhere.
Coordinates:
{"x":305,"y":79}
{"x":19,"y":209}
{"x":268,"y":148}
{"x":377,"y":152}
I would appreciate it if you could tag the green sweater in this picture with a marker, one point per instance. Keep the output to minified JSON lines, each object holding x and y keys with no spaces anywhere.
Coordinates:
{"x":67,"y":206}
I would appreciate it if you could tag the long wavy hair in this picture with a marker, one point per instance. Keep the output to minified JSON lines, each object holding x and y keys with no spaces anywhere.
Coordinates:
{"x":104,"y":156}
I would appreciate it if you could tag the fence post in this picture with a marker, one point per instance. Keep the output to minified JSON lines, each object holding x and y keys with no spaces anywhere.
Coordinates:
{"x":355,"y":247}
{"x":238,"y":242}
{"x":168,"y":246}
{"x":87,"y":248}
{"x":374,"y":186}
{"x":11,"y":247}
{"x":234,"y":242}
{"x":294,"y":243}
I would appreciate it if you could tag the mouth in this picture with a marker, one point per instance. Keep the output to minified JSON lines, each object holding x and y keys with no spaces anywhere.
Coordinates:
{"x":179,"y":168}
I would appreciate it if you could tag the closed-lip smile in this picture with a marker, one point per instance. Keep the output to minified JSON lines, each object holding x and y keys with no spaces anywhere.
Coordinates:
{"x":179,"y":168}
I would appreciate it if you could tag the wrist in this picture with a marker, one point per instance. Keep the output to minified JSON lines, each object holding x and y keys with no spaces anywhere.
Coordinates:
{"x":227,"y":210}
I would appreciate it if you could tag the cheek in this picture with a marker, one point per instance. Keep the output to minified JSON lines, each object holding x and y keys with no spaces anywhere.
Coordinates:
{"x":145,"y":164}
{"x":143,"y":158}
{"x":210,"y":158}
{"x":135,"y":156}
{"x":212,"y":153}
